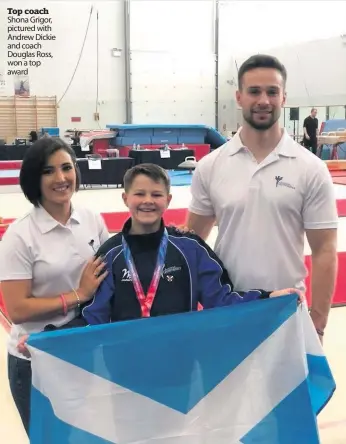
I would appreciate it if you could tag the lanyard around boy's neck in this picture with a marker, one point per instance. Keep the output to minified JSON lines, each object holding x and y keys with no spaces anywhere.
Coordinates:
{"x":146,"y":301}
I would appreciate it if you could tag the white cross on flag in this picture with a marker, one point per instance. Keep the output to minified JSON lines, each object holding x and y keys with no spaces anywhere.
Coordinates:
{"x":251,"y":373}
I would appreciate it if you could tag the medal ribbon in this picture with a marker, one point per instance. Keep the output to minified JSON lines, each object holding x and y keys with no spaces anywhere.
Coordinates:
{"x":146,"y":301}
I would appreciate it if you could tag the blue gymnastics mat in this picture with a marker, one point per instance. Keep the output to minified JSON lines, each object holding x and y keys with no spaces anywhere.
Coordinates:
{"x":180,"y":178}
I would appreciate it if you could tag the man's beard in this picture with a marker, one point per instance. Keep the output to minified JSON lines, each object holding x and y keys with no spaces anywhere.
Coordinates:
{"x":261,"y":126}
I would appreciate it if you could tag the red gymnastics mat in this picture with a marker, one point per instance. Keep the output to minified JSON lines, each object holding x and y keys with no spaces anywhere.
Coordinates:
{"x":10,"y":164}
{"x":338,"y":176}
{"x":9,"y":172}
{"x":115,"y":222}
{"x":339,"y":180}
{"x":338,"y":173}
{"x":339,"y":298}
{"x":177,"y":216}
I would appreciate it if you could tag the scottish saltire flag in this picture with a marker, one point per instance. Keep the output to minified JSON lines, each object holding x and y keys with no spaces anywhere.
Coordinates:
{"x":252,"y":373}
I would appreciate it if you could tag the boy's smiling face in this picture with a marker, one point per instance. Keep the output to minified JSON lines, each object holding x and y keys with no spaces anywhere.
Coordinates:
{"x":146,"y":200}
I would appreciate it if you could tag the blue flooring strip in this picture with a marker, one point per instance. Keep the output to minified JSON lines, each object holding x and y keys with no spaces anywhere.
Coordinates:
{"x":180,"y":178}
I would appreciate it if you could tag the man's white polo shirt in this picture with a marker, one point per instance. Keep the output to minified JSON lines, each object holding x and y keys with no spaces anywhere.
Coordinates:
{"x":263,"y":210}
{"x":53,"y":256}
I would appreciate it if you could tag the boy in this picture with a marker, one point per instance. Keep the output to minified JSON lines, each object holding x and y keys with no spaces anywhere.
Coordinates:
{"x":156,"y":270}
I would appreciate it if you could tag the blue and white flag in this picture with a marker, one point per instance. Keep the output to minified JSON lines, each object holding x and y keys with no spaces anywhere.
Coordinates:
{"x":251,"y":373}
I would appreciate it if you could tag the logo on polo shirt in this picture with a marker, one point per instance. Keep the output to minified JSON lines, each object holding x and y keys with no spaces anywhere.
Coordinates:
{"x":278,"y":179}
{"x":280,"y":183}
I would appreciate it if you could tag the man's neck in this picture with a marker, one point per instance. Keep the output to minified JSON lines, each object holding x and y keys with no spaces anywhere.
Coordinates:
{"x":261,"y":143}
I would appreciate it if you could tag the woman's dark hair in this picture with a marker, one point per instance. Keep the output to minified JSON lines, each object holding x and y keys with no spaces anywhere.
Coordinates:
{"x":34,"y":162}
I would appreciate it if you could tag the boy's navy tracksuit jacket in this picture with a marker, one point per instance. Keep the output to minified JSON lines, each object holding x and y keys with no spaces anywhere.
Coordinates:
{"x":192,"y":274}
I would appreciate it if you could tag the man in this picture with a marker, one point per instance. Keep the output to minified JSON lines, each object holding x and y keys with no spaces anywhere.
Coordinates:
{"x":310,"y":128}
{"x":265,"y":192}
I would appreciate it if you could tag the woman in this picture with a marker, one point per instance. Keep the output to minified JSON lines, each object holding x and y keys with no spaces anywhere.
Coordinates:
{"x":47,"y":262}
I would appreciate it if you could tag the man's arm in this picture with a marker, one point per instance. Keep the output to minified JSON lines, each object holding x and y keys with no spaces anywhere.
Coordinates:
{"x":201,"y":212}
{"x":201,"y":225}
{"x":320,"y":218}
{"x":323,"y":244}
